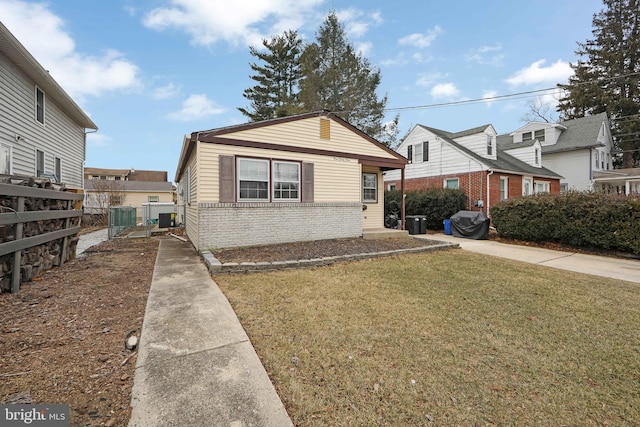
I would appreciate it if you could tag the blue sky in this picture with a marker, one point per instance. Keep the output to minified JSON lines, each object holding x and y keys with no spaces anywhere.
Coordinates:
{"x":150,"y":71}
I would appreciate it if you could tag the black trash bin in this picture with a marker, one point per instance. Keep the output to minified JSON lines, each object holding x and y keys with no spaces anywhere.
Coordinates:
{"x":412,"y":224}
{"x":423,"y":225}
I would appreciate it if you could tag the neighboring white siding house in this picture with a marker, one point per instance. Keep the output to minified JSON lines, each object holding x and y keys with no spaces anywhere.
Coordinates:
{"x":42,"y":130}
{"x":574,"y":149}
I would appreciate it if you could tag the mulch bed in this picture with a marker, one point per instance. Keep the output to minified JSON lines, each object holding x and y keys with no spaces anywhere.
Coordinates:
{"x":316,"y":249}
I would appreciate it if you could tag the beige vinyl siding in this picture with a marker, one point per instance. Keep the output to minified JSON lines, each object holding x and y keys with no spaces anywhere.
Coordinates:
{"x":306,"y":133}
{"x":138,"y":198}
{"x":191,"y":209}
{"x":373,"y":216}
{"x":336,"y":179}
{"x":58,"y":137}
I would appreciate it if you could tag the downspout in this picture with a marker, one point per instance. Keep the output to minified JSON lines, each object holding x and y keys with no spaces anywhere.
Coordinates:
{"x":489,"y":192}
{"x":402,"y":212}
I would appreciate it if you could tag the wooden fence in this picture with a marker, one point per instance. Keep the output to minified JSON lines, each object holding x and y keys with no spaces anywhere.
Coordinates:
{"x":30,"y":218}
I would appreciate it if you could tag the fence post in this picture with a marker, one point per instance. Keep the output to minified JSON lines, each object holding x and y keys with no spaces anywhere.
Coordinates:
{"x":17,"y":255}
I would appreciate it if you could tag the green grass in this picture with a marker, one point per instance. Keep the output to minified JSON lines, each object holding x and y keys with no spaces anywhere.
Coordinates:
{"x":447,"y":338}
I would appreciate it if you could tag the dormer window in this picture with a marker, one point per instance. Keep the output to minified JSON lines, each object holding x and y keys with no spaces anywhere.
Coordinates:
{"x":527,"y":136}
{"x":537,"y":156}
{"x":489,"y":146}
{"x":539,"y":135}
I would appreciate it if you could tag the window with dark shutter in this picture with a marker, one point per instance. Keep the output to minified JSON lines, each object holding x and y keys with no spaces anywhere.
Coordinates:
{"x":425,"y":151}
{"x":410,"y":152}
{"x":226,"y":179}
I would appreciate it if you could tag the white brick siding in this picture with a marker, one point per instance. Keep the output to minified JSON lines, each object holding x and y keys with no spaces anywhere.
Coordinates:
{"x":224,"y":225}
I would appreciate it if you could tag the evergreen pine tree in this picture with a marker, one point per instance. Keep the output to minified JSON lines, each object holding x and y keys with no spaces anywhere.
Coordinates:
{"x":338,"y":79}
{"x":607,"y":78}
{"x":276,"y":94}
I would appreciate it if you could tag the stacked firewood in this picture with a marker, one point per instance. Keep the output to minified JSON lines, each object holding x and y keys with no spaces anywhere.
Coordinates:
{"x":37,"y":259}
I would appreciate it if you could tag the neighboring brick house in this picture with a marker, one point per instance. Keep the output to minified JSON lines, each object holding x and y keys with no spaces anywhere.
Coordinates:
{"x":306,"y":177}
{"x":472,"y":161}
{"x":42,"y":130}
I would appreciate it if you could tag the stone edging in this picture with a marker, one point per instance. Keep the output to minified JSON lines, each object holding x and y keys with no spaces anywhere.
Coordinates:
{"x":216,"y":267}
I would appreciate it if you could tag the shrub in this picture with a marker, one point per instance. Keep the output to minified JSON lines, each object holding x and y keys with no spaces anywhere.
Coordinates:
{"x":436,"y":204}
{"x":581,"y":219}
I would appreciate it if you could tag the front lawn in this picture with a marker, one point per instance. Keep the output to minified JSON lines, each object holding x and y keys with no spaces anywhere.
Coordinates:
{"x":447,"y":338}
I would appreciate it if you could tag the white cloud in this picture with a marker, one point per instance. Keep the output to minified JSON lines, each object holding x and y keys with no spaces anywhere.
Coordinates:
{"x":164,"y":92}
{"x":428,"y":79}
{"x":535,"y":73}
{"x":196,"y":107}
{"x":421,"y":40}
{"x":488,"y":94}
{"x":79,"y":74}
{"x":364,"y":48}
{"x":487,"y":55}
{"x":445,"y":90}
{"x":239,"y":22}
{"x":356,"y":22}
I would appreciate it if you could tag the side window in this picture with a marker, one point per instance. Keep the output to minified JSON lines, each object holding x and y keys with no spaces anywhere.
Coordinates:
{"x":40,"y":105}
{"x":369,"y":187}
{"x":58,"y":169}
{"x":452,"y":183}
{"x":286,"y":181}
{"x":39,"y":163}
{"x":504,"y":188}
{"x":5,"y":159}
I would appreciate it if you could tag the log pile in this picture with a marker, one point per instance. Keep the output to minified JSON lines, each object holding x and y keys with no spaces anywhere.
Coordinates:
{"x":37,"y":259}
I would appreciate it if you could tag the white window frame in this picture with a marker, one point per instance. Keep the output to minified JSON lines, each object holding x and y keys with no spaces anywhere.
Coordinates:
{"x":38,"y":173}
{"x":537,"y":158}
{"x":447,"y":180}
{"x":537,"y":135}
{"x":9,"y":150}
{"x":44,"y":103}
{"x":504,"y":191}
{"x":417,"y":153}
{"x":527,"y":136}
{"x":240,"y":178}
{"x":489,"y":145}
{"x":545,"y":184}
{"x":57,"y":168}
{"x":525,"y":181}
{"x":156,"y":199}
{"x":391,"y":187}
{"x":365,"y":187}
{"x":276,"y":180}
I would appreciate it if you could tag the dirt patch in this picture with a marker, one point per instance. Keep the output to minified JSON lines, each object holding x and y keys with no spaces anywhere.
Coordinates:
{"x":62,"y":337}
{"x":316,"y":249}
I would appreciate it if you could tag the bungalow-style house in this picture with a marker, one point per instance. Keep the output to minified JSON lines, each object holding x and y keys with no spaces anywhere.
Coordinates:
{"x":579,"y":150}
{"x":471,"y":160}
{"x":42,"y":130}
{"x":105,"y":188}
{"x":306,"y":177}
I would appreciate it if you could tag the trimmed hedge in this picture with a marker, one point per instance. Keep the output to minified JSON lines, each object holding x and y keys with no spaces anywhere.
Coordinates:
{"x":436,"y":204}
{"x":581,"y":219}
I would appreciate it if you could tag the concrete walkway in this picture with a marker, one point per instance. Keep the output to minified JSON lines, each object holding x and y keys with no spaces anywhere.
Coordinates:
{"x":615,"y":268}
{"x":196,"y":365}
{"x":85,"y":241}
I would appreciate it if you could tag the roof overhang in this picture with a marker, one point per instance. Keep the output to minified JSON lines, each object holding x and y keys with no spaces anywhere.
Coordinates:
{"x":19,"y":55}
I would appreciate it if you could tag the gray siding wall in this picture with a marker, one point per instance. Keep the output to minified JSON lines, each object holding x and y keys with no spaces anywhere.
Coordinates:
{"x":224,"y":225}
{"x":59,"y":137}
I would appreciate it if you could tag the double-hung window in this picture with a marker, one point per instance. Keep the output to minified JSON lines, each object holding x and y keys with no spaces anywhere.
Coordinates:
{"x":539,"y":135}
{"x":258,"y":179}
{"x":504,"y":188}
{"x":253,"y":180}
{"x":369,"y":187}
{"x":5,"y":159}
{"x":286,"y":181}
